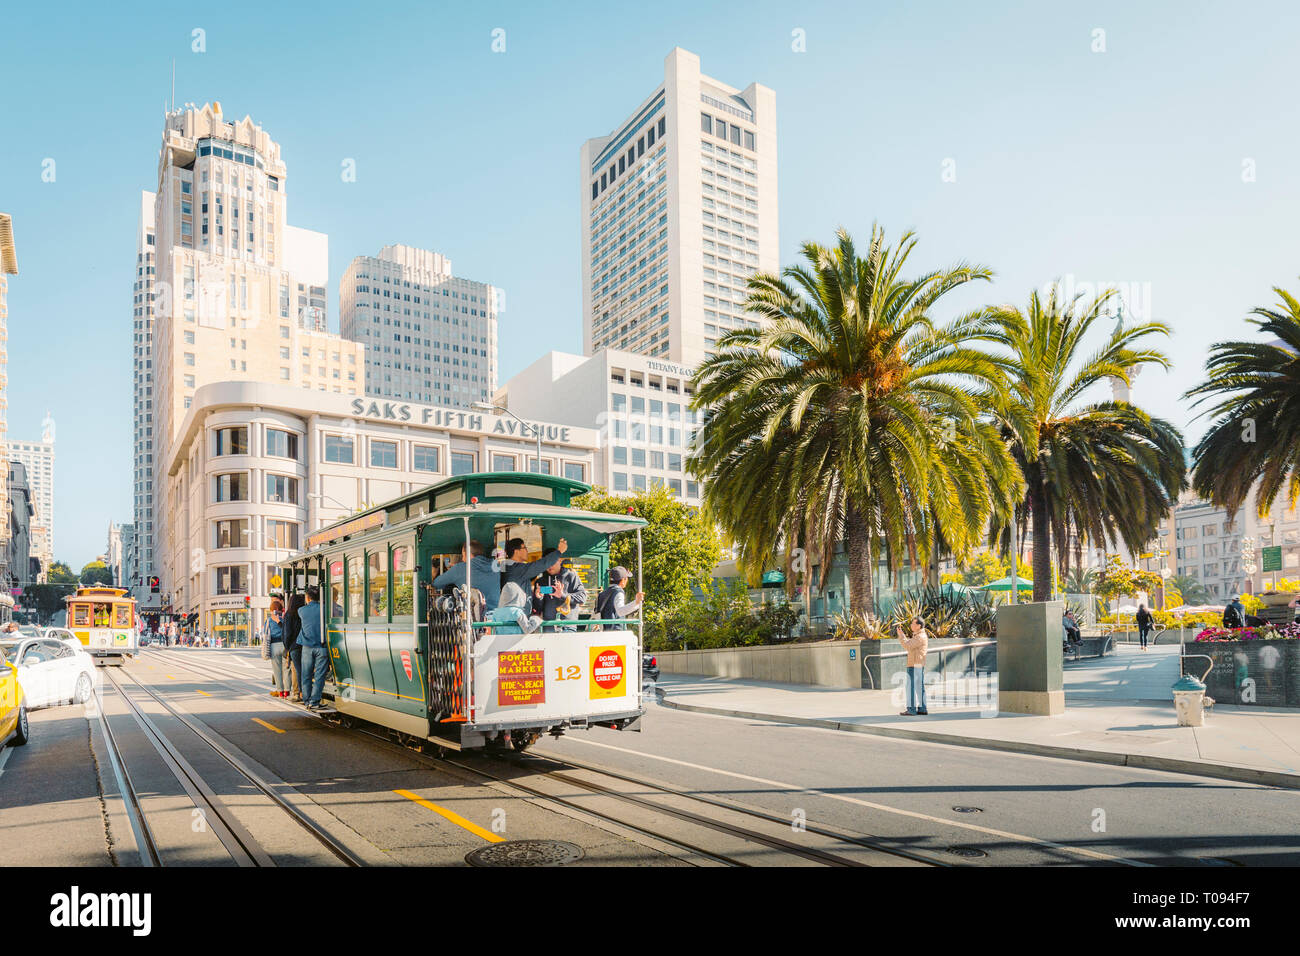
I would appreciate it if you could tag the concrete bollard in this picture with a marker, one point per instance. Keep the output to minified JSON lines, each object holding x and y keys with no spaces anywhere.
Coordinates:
{"x":1189,"y":701}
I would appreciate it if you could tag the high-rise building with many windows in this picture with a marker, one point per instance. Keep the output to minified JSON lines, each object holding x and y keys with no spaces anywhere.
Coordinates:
{"x":37,"y":458}
{"x":679,"y":209}
{"x":238,"y":295}
{"x":8,"y":266}
{"x":146,"y":266}
{"x":429,"y":335}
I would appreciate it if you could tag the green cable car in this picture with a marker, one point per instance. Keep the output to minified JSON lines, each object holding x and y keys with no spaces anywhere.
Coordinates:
{"x":416,"y":659}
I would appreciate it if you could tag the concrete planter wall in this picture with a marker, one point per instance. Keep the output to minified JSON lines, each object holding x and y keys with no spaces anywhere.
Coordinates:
{"x":832,"y":664}
{"x":1262,"y":673}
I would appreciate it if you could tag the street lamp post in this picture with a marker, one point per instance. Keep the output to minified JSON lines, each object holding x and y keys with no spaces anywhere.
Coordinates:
{"x":487,"y":407}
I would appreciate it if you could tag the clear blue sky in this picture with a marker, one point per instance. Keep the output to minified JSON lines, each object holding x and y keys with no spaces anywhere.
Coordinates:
{"x":1122,"y":166}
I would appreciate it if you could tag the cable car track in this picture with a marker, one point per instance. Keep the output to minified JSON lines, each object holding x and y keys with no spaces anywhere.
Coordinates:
{"x":747,"y":834}
{"x":241,"y":845}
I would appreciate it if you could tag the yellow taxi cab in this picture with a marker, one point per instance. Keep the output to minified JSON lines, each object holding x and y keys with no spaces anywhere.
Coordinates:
{"x":14,"y":729}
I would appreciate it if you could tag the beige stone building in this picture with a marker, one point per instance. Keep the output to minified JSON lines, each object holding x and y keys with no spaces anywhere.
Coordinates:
{"x":239,"y":294}
{"x":256,"y":468}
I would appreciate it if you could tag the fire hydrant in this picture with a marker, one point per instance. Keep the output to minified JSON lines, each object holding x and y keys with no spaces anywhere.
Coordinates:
{"x":1189,"y":701}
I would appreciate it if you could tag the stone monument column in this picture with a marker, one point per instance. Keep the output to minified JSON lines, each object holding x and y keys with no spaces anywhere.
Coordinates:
{"x":1030,"y":676}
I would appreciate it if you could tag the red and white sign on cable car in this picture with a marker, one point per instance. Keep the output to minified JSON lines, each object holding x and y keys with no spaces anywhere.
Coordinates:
{"x":607,"y":672}
{"x":406,"y":664}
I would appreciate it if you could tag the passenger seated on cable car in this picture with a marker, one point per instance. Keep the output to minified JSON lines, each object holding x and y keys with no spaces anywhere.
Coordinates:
{"x":511,"y":615}
{"x":483,"y":576}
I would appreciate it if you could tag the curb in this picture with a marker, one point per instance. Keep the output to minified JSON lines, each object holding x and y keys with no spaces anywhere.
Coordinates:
{"x":1269,"y":778}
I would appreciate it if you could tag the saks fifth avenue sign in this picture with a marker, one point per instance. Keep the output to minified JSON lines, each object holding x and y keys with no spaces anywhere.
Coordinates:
{"x":456,"y":418}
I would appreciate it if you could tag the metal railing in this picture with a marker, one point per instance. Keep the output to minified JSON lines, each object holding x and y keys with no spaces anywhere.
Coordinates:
{"x":940,"y":651}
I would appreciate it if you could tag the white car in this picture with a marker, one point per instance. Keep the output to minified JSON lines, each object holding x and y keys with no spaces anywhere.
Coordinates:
{"x":52,"y":668}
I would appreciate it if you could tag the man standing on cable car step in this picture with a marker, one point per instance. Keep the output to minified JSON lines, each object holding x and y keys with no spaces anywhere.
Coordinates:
{"x":519,"y":570}
{"x":312,"y":674}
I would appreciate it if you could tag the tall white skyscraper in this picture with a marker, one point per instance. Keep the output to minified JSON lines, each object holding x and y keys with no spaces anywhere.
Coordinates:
{"x":146,"y":265}
{"x":38,"y":459}
{"x":429,"y":335}
{"x":679,"y":208}
{"x":239,"y":295}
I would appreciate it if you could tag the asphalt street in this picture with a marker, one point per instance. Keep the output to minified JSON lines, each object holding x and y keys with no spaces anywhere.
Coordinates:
{"x":848,"y":799}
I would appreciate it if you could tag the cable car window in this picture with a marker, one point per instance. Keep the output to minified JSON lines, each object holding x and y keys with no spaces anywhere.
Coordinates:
{"x":103,"y":615}
{"x":403,"y":583}
{"x":378,"y":583}
{"x":336,"y":591}
{"x":122,"y":615}
{"x":81,"y":615}
{"x":356,"y":590}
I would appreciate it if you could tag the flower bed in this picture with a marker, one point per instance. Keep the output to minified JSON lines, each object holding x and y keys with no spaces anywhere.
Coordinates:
{"x":1267,"y":632}
{"x":1250,"y":665}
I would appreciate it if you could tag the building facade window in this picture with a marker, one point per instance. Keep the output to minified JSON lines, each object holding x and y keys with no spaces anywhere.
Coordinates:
{"x":462,"y":463}
{"x":281,"y":489}
{"x":282,"y":535}
{"x":503,"y":462}
{"x":383,"y":454}
{"x":281,"y":444}
{"x":232,"y":579}
{"x":232,"y":487}
{"x":338,"y":448}
{"x":231,"y":534}
{"x":425,"y":458}
{"x":232,"y":441}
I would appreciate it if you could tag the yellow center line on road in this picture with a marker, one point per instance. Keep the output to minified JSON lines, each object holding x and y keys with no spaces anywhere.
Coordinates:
{"x":169,"y":677}
{"x":203,"y":692}
{"x":259,"y":720}
{"x":455,"y":818}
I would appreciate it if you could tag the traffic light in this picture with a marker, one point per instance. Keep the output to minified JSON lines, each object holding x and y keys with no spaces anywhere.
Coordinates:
{"x":153,"y":584}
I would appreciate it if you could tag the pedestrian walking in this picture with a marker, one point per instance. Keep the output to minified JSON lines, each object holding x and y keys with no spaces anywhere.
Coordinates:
{"x":273,"y":641}
{"x":312,"y":672}
{"x":916,"y":644}
{"x":293,"y":650}
{"x":1144,"y":622}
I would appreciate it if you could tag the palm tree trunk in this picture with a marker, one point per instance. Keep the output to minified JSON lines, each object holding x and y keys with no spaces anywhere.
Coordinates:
{"x":1042,"y":544}
{"x":861,"y":586}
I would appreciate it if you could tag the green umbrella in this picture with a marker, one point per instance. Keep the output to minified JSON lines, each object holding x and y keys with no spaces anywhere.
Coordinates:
{"x":1004,"y":584}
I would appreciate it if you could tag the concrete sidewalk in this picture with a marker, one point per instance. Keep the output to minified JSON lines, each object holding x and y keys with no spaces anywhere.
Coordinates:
{"x":1119,"y":710}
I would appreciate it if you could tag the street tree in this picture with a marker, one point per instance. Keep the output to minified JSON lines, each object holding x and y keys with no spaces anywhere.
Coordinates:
{"x":1255,"y":437}
{"x":1186,"y":587}
{"x":96,"y":572}
{"x":680,"y":548}
{"x":1101,"y":471}
{"x":851,"y":415}
{"x":60,"y":573}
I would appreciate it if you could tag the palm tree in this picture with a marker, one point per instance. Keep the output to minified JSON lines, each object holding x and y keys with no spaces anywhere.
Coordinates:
{"x":1192,"y":590}
{"x":1079,"y":581}
{"x":1106,"y":470}
{"x":1256,"y":434}
{"x":850,"y":416}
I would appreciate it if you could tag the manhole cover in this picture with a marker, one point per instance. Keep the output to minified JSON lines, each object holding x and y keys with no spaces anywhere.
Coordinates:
{"x":525,"y":853}
{"x":968,"y":809}
{"x":971,"y":852}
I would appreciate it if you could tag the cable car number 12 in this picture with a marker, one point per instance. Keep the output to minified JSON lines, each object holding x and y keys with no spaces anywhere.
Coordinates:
{"x":572,"y":672}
